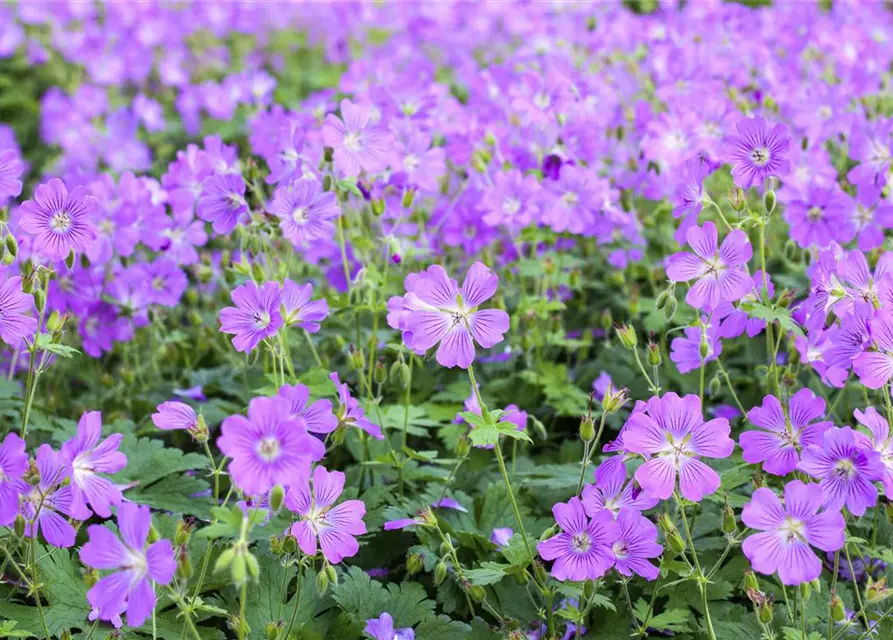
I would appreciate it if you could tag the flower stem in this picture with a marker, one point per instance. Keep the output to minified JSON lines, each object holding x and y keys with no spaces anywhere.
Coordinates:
{"x":243,"y":597}
{"x":725,"y":374}
{"x":294,"y":613}
{"x":313,"y":348}
{"x":802,"y":614}
{"x":344,"y":261}
{"x":407,"y":398}
{"x":591,"y":448}
{"x":701,"y":578}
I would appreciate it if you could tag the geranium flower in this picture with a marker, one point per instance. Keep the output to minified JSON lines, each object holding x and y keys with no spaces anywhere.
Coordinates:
{"x":445,"y":315}
{"x":299,"y":309}
{"x":757,"y":151}
{"x":47,"y":506}
{"x":382,"y":628}
{"x":719,"y":271}
{"x":612,"y":492}
{"x":316,"y":417}
{"x":788,"y":531}
{"x":174,"y":415}
{"x":13,"y":462}
{"x":136,"y":566}
{"x":222,"y":202}
{"x":672,"y":433}
{"x":358,"y":144}
{"x":778,"y":446}
{"x":635,"y":545}
{"x":336,"y":528}
{"x":875,"y":368}
{"x":61,"y":222}
{"x":847,"y":470}
{"x":255,"y":317}
{"x":582,"y":551}
{"x":88,"y":458}
{"x":350,"y":413}
{"x":879,"y":441}
{"x":305,"y":211}
{"x":16,"y":309}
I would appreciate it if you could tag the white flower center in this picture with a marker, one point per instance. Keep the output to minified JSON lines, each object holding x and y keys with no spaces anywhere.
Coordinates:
{"x":352,"y":142}
{"x":299,"y":215}
{"x":411,"y":163}
{"x":815,"y":214}
{"x":268,"y":448}
{"x":845,"y":469}
{"x":581,"y":542}
{"x":60,"y":222}
{"x":262,"y":320}
{"x":760,"y":156}
{"x":792,"y":530}
{"x":511,"y":206}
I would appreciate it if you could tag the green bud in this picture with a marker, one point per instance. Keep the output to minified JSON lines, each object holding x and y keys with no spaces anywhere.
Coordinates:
{"x":877,"y":590}
{"x":838,"y":610}
{"x":661,"y":301}
{"x":184,"y":567}
{"x":521,"y":577}
{"x":769,"y":201}
{"x":333,"y":575}
{"x":607,"y":320}
{"x":257,"y":272}
{"x":587,"y":429}
{"x":8,"y":258}
{"x":224,"y":560}
{"x":328,"y":153}
{"x":183,"y":533}
{"x":154,"y":536}
{"x":765,"y":612}
{"x":670,"y":308}
{"x":627,"y":336}
{"x":27,"y":284}
{"x":408,"y":197}
{"x":805,"y":590}
{"x":750,"y":581}
{"x":338,"y":436}
{"x":276,"y":497}
{"x":655,"y":359}
{"x":463,"y":446}
{"x":40,"y":299}
{"x":356,"y":359}
{"x":322,"y":582}
{"x":4,"y":214}
{"x":69,"y":260}
{"x":66,"y":635}
{"x":19,"y":526}
{"x":704,"y":347}
{"x":676,"y":543}
{"x":477,"y":593}
{"x":327,"y":183}
{"x":272,"y":629}
{"x":414,"y":563}
{"x":440,"y":572}
{"x":714,"y":386}
{"x":238,"y":569}
{"x":12,"y":247}
{"x":588,"y":589}
{"x":728,"y":520}
{"x":445,"y":547}
{"x":54,"y":322}
{"x":380,"y":373}
{"x":253,"y":565}
{"x":614,"y":400}
{"x":289,"y":544}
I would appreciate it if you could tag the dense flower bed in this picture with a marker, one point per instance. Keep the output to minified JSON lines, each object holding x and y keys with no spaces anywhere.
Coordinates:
{"x":437,"y":320}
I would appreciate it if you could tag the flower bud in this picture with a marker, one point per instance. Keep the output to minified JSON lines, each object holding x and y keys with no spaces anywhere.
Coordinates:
{"x":356,"y":358}
{"x":12,"y":247}
{"x":838,"y":610}
{"x":661,"y":300}
{"x":154,"y":536}
{"x":272,"y":629}
{"x":588,"y":589}
{"x":380,"y":373}
{"x":877,"y":590}
{"x":333,"y":575}
{"x":408,"y":197}
{"x":676,"y":543}
{"x":769,"y":201}
{"x":277,"y":494}
{"x":8,"y":258}
{"x":19,"y":526}
{"x":4,"y":214}
{"x":627,"y":336}
{"x":607,"y":320}
{"x":327,"y":183}
{"x":289,"y":544}
{"x":805,"y":590}
{"x":224,"y":560}
{"x":69,"y":259}
{"x":704,"y":347}
{"x":184,"y":566}
{"x":327,"y":154}
{"x":238,"y":569}
{"x":670,"y":308}
{"x":750,"y":581}
{"x":27,"y":284}
{"x":765,"y":612}
{"x":613,"y":400}
{"x":54,"y":322}
{"x":729,"y":525}
{"x":414,"y":563}
{"x":655,"y":358}
{"x":477,"y":593}
{"x":183,"y":533}
{"x":322,"y":582}
{"x":463,"y":447}
{"x":587,"y":429}
{"x":440,"y":572}
{"x":714,"y":386}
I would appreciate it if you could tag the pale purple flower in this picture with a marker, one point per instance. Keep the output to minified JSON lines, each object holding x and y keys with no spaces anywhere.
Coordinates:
{"x":336,"y":527}
{"x":719,"y":271}
{"x":449,"y":503}
{"x":382,"y":628}
{"x":13,"y":463}
{"x":757,"y":151}
{"x":636,"y":545}
{"x":777,"y":447}
{"x":582,"y":551}
{"x":316,"y":417}
{"x":47,"y":506}
{"x":222,"y":202}
{"x":11,"y":169}
{"x":601,"y":384}
{"x":268,"y":447}
{"x":358,"y":144}
{"x":299,"y":309}
{"x":136,"y":565}
{"x":350,"y":413}
{"x":875,"y":368}
{"x":689,"y":195}
{"x":255,"y":317}
{"x":512,"y":201}
{"x":847,"y":470}
{"x":788,"y":532}
{"x":175,"y":415}
{"x":501,"y":536}
{"x":879,"y":441}
{"x":88,"y":458}
{"x":821,"y":216}
{"x":61,"y":222}
{"x":306,"y":212}
{"x":672,"y":433}
{"x":445,"y":315}
{"x":613,"y":493}
{"x":16,"y":309}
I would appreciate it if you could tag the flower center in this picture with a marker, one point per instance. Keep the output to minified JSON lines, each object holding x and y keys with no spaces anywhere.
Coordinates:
{"x":262,"y":319}
{"x":511,"y":206}
{"x":581,"y":542}
{"x":815,"y":214}
{"x":411,"y":163}
{"x":760,"y":156}
{"x":845,"y":469}
{"x":621,"y":549}
{"x":792,"y":530}
{"x":268,"y":448}
{"x":299,"y":215}
{"x":570,"y":199}
{"x":60,"y":222}
{"x":137,"y":562}
{"x":352,"y":142}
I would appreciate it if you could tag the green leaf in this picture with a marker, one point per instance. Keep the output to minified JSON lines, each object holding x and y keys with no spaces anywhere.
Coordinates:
{"x":484,"y":436}
{"x":8,"y":630}
{"x":515,"y":551}
{"x":774,"y":314}
{"x":442,"y":628}
{"x":675,"y":620}
{"x":45,"y":342}
{"x":488,"y":573}
{"x":175,"y":494}
{"x":364,"y":598}
{"x":148,"y":460}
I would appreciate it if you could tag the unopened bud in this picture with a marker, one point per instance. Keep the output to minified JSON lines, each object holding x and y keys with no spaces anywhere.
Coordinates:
{"x":714,"y":386}
{"x":627,"y":336}
{"x":765,"y":612}
{"x":184,"y":566}
{"x":607,"y":320}
{"x":670,"y":308}
{"x":614,"y":400}
{"x":69,"y":259}
{"x":224,"y":560}
{"x":463,"y":447}
{"x":408,"y":197}
{"x":805,"y":590}
{"x":378,"y":207}
{"x":8,"y":258}
{"x":662,"y":299}
{"x":154,"y":536}
{"x":380,"y":373}
{"x":356,"y":359}
{"x":289,"y":544}
{"x":54,"y":322}
{"x":769,"y":201}
{"x":12,"y":247}
{"x":238,"y":569}
{"x":272,"y":629}
{"x":838,"y":610}
{"x":333,"y":575}
{"x":183,"y":533}
{"x":27,"y":284}
{"x":19,"y":526}
{"x":655,"y":358}
{"x":414,"y":563}
{"x":750,"y":581}
{"x":328,"y":153}
{"x":877,"y":590}
{"x":729,"y":525}
{"x":477,"y":593}
{"x":277,"y":494}
{"x":704,"y":347}
{"x":40,"y":299}
{"x":327,"y":183}
{"x":322,"y":582}
{"x":587,"y":429}
{"x":440,"y":572}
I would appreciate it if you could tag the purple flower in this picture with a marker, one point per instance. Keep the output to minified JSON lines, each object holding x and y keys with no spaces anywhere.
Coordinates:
{"x":720,"y":272}
{"x":784,"y":435}
{"x":305,"y":211}
{"x":175,"y":415}
{"x":61,"y":222}
{"x":788,"y":532}
{"x":255,"y":317}
{"x":501,"y":536}
{"x":448,"y":503}
{"x":443,"y":314}
{"x":335,"y":527}
{"x":758,"y":151}
{"x":13,"y":462}
{"x":879,"y":441}
{"x":672,"y":433}
{"x":47,"y":506}
{"x":382,"y":628}
{"x":136,"y":565}
{"x":350,"y":413}
{"x":222,"y":202}
{"x":11,"y":169}
{"x":821,"y":216}
{"x":512,"y":201}
{"x":358,"y":145}
{"x":88,"y":458}
{"x":847,"y":470}
{"x":875,"y":368}
{"x":611,"y":491}
{"x":268,"y":447}
{"x":601,"y":384}
{"x":299,"y":310}
{"x":582,"y":551}
{"x":317,"y":417}
{"x":16,"y":307}
{"x":635,"y":545}
{"x":689,"y":196}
